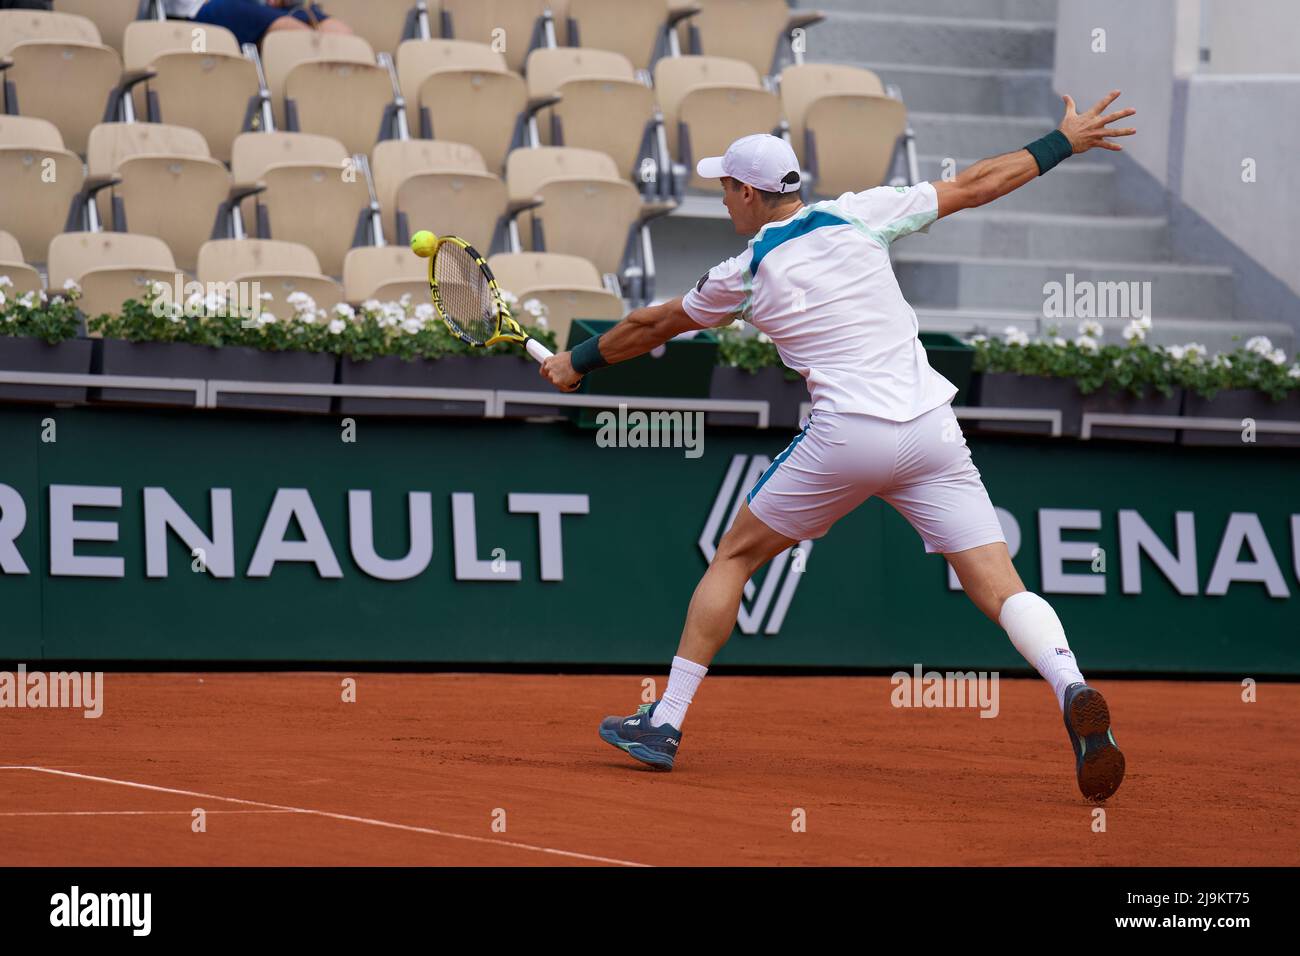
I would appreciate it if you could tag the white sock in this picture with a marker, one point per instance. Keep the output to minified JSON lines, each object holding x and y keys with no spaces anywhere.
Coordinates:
{"x":684,"y":678}
{"x":1037,"y":633}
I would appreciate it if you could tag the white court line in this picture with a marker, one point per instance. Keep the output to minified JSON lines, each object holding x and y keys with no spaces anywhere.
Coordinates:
{"x":118,"y":813}
{"x":333,"y":816}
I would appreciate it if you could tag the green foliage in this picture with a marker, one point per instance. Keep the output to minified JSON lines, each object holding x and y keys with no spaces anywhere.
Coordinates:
{"x":739,"y":349}
{"x":51,"y":318}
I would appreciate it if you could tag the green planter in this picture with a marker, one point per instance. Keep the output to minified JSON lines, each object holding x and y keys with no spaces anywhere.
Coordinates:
{"x":952,"y":358}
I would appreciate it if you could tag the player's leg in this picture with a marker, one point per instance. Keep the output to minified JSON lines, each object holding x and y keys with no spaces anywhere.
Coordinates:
{"x":942,"y":495}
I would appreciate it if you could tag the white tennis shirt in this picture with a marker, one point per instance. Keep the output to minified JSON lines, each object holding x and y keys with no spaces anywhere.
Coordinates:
{"x":821,"y":285}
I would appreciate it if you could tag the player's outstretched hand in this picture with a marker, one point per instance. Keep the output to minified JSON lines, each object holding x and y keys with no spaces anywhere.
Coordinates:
{"x":558,"y":370}
{"x":1086,"y":130}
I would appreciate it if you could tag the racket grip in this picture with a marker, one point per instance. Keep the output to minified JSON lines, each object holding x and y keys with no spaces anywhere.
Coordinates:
{"x":537,"y":350}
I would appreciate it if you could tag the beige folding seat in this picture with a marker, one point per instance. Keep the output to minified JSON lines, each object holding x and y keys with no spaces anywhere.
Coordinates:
{"x":511,"y":26}
{"x":639,"y":29}
{"x":257,"y":266}
{"x":313,"y":193}
{"x":12,"y":266}
{"x":327,"y":84}
{"x":39,"y":180}
{"x":803,"y":83}
{"x":602,"y":106}
{"x":110,"y":17}
{"x":461,"y":203}
{"x":170,"y":186}
{"x":395,"y":160}
{"x":850,"y":140}
{"x":569,"y":287}
{"x":61,"y":71}
{"x":462,"y":91}
{"x":381,"y":23}
{"x":385,"y":273}
{"x":708,"y":103}
{"x":756,"y":31}
{"x":110,"y":267}
{"x":212,"y":91}
{"x":588,"y":209}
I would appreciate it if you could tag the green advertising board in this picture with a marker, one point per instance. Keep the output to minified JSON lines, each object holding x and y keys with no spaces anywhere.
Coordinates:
{"x":212,"y":536}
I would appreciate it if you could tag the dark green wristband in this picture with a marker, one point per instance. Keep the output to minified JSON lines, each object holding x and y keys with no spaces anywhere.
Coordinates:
{"x":1050,"y":150}
{"x":586,"y":356}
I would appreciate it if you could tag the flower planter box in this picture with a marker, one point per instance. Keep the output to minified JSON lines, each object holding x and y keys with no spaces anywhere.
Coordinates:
{"x":180,"y":360}
{"x":1238,"y":404}
{"x":23,"y":354}
{"x":766,"y":385}
{"x":498,"y":373}
{"x":1006,"y":390}
{"x":1126,"y":403}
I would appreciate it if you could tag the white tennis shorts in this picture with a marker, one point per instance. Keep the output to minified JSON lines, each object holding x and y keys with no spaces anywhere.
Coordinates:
{"x":922,"y":468}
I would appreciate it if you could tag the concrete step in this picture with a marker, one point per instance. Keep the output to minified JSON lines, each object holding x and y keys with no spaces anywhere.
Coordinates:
{"x":991,"y":231}
{"x":951,"y":41}
{"x":1043,"y":11}
{"x":936,"y":281}
{"x":1217,"y":335}
{"x":1074,"y":188}
{"x":943,"y":89}
{"x":960,"y":134}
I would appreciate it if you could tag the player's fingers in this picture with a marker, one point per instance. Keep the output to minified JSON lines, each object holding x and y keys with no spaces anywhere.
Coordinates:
{"x":1120,"y":132}
{"x":1115,"y":146}
{"x":1104,"y":102}
{"x":1117,"y":115}
{"x":1069,"y":104}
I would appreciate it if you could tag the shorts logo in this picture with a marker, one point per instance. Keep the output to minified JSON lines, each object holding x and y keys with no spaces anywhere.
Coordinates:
{"x":782,"y":576}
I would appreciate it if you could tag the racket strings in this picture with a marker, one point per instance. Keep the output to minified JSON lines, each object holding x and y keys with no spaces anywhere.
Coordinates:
{"x":466,"y":297}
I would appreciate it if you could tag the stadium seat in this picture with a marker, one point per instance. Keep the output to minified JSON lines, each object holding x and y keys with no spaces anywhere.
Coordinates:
{"x":569,"y":287}
{"x":756,"y":31}
{"x":12,"y":266}
{"x":170,"y":186}
{"x":462,"y":91}
{"x":462,"y":203}
{"x":279,"y":268}
{"x":310,"y":197}
{"x":61,"y":71}
{"x":211,"y":91}
{"x":385,"y":273}
{"x":589,"y":209}
{"x":639,"y":29}
{"x":512,"y":26}
{"x":602,"y":106}
{"x":709,"y":102}
{"x":283,"y":51}
{"x":41,"y":179}
{"x":394,"y":161}
{"x":381,"y":23}
{"x":802,"y":84}
{"x":110,"y":17}
{"x":110,"y":267}
{"x":849,"y":141}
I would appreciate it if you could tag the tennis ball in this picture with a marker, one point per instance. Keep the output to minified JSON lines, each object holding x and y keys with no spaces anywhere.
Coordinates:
{"x":423,"y":242}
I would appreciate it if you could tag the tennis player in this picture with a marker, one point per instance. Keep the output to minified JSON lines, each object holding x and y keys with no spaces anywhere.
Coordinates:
{"x":818,"y":280}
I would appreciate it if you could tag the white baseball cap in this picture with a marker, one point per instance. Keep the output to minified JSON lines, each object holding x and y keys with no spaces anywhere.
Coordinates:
{"x":762,"y":160}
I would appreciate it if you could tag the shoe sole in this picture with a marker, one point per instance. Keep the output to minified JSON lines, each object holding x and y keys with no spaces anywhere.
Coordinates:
{"x":639,"y":752}
{"x":1101,"y":770}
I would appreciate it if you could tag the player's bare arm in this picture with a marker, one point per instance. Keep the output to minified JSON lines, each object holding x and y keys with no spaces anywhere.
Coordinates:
{"x":992,"y":178}
{"x":640,"y":331}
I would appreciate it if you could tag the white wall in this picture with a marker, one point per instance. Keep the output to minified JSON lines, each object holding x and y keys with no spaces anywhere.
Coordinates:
{"x":1253,"y":36}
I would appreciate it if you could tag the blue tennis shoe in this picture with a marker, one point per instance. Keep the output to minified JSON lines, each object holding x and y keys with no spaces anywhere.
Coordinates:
{"x":1098,"y":761}
{"x":656,"y":746}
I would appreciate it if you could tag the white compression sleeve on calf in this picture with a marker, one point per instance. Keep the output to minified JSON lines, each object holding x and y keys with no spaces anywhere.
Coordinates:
{"x":683,"y":680}
{"x":1037,"y":633}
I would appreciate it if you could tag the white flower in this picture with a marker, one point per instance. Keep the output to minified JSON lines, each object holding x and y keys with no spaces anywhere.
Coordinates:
{"x":424,"y":312}
{"x":69,"y":285}
{"x":1090,"y":328}
{"x":405,"y":301}
{"x":157,"y":288}
{"x":343,"y":311}
{"x":1221,"y":361}
{"x":1086,"y":343}
{"x":541,"y":322}
{"x":764,"y":338}
{"x":1135,"y":332}
{"x":1293,"y":371}
{"x":391,"y":314}
{"x":1277,"y":357}
{"x":301,"y":302}
{"x":1059,"y":342}
{"x":215,"y":303}
{"x":535,"y":308}
{"x":509,"y":298}
{"x":337,"y":326}
{"x":1195,"y":352}
{"x":1144,"y":321}
{"x":1176,"y":352}
{"x":974,"y":339}
{"x":370,"y":305}
{"x":1260,"y":345}
{"x":267,"y":318}
{"x":6,"y":282}
{"x":27,"y":300}
{"x":412,"y":326}
{"x":266,"y":297}
{"x":1015,"y":336}
{"x":737,"y":324}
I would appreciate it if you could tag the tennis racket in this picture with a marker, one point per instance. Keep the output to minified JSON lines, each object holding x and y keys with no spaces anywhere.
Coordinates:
{"x":467,"y":297}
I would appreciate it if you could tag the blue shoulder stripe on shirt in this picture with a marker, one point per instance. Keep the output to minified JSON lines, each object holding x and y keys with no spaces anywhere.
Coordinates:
{"x":791,"y":230}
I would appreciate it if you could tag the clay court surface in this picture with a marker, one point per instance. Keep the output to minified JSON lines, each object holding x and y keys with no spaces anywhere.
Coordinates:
{"x":412,"y":773}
